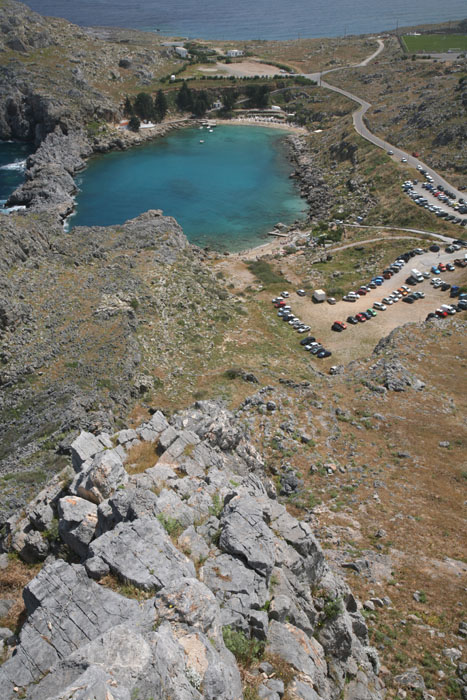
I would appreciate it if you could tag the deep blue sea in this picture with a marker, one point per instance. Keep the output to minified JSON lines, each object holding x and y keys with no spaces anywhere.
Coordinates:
{"x":226,"y":193}
{"x":261,"y":19}
{"x":12,"y":166}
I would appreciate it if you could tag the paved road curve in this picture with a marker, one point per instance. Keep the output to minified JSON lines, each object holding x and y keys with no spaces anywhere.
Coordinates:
{"x":362,"y":129}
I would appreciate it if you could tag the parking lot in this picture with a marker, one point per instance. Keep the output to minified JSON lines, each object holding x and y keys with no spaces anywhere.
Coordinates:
{"x":358,"y":340}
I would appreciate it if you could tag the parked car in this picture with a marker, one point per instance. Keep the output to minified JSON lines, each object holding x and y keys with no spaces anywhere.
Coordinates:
{"x":324,"y":353}
{"x":301,"y":292}
{"x":308,"y":340}
{"x":434,"y":248}
{"x":338,"y":326}
{"x":380,"y":306}
{"x":316,"y":348}
{"x":372,"y":312}
{"x":361,"y":317}
{"x":284,"y":295}
{"x":331,"y":301}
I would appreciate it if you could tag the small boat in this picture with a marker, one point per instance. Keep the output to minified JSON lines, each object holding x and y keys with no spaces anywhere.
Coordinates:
{"x":201,"y":141}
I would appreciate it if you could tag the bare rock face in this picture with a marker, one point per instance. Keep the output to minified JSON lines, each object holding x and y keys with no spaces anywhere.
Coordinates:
{"x":207,"y":559}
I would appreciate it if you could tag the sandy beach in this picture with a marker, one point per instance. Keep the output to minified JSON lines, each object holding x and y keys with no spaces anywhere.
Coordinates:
{"x":252,"y":121}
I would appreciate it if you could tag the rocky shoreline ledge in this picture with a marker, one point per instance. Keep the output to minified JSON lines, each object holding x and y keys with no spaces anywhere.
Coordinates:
{"x":193,"y":554}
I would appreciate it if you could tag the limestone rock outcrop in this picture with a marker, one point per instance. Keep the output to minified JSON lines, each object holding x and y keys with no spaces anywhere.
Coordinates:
{"x":170,"y":562}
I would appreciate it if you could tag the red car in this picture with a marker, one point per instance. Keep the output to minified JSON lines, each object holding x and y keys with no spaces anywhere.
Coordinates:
{"x":361,"y":318}
{"x":338,"y":326}
{"x":441,"y":313}
{"x":362,"y":291}
{"x":442,"y":267}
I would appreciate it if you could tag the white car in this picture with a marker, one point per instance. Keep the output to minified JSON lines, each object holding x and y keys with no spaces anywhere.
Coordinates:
{"x":301,"y":292}
{"x":284,"y":295}
{"x":388,"y":301}
{"x":380,"y":306}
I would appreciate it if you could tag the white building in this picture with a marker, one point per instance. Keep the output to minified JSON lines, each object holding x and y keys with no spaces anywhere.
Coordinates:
{"x":181,"y":51}
{"x":234,"y":53}
{"x":217,"y":105}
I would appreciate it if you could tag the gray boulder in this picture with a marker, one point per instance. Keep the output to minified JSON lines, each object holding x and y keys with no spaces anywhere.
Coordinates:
{"x":50,"y":633}
{"x":101,"y":478}
{"x":85,"y":447}
{"x":193,"y":545}
{"x":246,"y":535}
{"x":77,"y":523}
{"x":304,"y":653}
{"x":237,"y":588}
{"x":141,"y":553}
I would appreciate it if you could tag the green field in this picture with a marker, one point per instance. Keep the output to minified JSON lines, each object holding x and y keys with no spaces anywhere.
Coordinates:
{"x":435,"y":43}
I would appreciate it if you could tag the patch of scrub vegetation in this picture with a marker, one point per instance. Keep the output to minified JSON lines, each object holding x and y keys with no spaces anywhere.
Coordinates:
{"x":265,"y":273}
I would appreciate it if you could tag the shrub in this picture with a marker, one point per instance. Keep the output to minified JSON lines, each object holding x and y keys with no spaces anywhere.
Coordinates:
{"x":172,"y":526}
{"x":332,"y":608}
{"x":246,"y":651}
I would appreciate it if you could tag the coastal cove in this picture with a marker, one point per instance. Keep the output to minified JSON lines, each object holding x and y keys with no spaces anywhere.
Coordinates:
{"x":226,"y":187}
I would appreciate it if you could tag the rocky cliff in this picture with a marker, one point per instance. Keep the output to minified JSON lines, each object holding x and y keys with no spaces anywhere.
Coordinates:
{"x":173,"y":571}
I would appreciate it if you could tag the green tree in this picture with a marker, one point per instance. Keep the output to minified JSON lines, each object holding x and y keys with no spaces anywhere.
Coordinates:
{"x":160,"y":106}
{"x":258,"y":95}
{"x":184,"y":99}
{"x":201,"y":103}
{"x":134,"y":123}
{"x":128,"y":110}
{"x":144,"y":106}
{"x":229,"y":98}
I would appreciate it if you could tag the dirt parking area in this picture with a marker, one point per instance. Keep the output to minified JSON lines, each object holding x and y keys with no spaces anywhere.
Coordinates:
{"x":359,"y":340}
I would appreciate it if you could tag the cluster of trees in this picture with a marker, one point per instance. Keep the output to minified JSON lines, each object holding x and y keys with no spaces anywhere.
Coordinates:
{"x":196,"y":102}
{"x":143,"y":107}
{"x":258,"y":95}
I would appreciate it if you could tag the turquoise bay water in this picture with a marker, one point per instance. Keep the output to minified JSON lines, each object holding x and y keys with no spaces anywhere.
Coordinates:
{"x":226,"y":193}
{"x":12,"y":166}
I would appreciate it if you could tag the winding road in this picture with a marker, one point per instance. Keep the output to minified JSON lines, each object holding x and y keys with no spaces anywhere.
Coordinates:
{"x":364,"y":132}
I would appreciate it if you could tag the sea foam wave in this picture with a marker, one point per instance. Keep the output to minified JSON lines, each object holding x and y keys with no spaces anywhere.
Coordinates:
{"x":16,"y":165}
